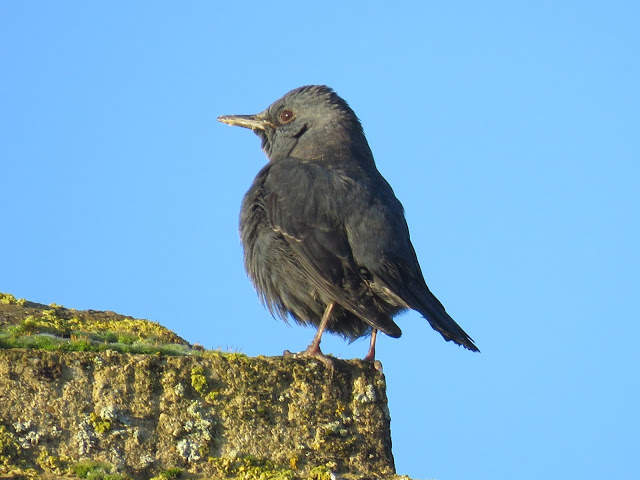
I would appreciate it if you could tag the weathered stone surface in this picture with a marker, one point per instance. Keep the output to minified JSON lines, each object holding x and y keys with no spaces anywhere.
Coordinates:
{"x":210,"y":414}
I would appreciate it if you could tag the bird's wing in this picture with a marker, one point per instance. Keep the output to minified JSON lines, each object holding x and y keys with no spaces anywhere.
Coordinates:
{"x":305,"y":203}
{"x":381,"y":245}
{"x":405,"y":280}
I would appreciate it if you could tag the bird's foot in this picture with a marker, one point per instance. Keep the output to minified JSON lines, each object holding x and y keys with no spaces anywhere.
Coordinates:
{"x":313,"y":351}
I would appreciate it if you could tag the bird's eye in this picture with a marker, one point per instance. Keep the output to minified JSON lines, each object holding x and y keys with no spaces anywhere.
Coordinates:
{"x":286,"y":116}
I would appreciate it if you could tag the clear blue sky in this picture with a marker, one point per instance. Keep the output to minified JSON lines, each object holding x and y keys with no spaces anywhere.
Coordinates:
{"x":509,"y":130}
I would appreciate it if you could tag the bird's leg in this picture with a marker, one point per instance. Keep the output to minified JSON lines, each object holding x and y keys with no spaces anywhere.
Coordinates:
{"x":371,"y":354}
{"x":314,"y":346}
{"x":313,"y":350}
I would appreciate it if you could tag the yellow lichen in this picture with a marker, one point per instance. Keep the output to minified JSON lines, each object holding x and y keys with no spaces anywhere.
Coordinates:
{"x":321,"y":472}
{"x":211,"y":397}
{"x":8,"y":299}
{"x":51,"y":463}
{"x":99,"y":424}
{"x":198,"y":380}
{"x":9,"y":448}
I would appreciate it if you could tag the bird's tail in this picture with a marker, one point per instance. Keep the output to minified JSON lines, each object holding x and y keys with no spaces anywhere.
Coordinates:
{"x":431,"y":308}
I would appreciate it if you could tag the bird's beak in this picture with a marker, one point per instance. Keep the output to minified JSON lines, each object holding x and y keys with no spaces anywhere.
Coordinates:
{"x":254,"y":122}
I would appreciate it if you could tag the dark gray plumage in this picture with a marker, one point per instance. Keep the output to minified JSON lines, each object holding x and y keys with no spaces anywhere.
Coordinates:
{"x":325,"y":239}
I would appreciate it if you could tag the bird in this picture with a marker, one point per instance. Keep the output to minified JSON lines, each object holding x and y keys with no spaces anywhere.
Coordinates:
{"x":325,"y":239}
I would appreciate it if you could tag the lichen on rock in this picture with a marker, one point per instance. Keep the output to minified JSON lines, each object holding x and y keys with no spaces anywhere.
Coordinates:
{"x":200,"y":414}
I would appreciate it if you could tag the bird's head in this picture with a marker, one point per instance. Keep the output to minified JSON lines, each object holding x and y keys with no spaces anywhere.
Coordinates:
{"x":308,"y":123}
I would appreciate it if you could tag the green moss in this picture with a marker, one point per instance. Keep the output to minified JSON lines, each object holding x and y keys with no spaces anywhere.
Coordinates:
{"x":51,"y":342}
{"x":125,"y":338}
{"x":59,"y":328}
{"x":55,"y":328}
{"x":251,"y":468}
{"x":96,"y":471}
{"x":169,"y":474}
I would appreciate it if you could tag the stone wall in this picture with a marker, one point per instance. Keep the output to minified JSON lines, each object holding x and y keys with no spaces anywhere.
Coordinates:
{"x":143,"y":414}
{"x":100,"y":395}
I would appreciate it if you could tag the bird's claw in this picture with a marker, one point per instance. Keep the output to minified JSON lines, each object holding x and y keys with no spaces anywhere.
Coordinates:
{"x":312,"y":353}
